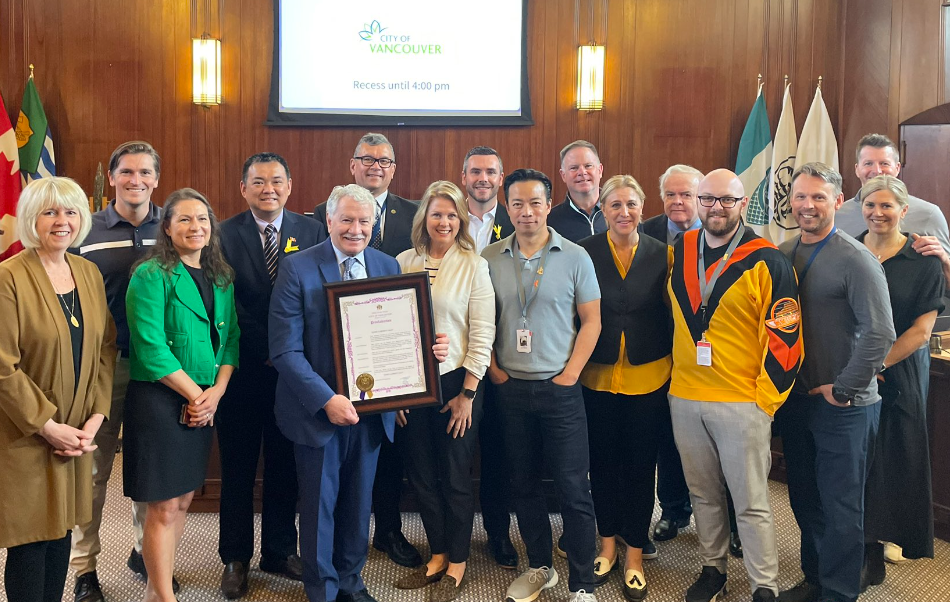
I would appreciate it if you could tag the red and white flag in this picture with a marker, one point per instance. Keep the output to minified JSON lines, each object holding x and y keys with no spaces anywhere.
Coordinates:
{"x":9,"y":186}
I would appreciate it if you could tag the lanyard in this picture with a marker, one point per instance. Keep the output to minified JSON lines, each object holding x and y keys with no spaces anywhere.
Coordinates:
{"x":526,"y":301}
{"x":706,"y":288}
{"x":814,"y":253}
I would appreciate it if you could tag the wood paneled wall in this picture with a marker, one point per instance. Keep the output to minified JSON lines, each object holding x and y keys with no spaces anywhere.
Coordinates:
{"x":681,"y":82}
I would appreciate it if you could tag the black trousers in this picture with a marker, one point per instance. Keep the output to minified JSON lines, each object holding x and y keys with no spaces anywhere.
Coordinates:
{"x":36,"y":572}
{"x":388,"y":484}
{"x":624,"y":433}
{"x":545,"y":422}
{"x":245,"y":423}
{"x":494,"y":485}
{"x":439,"y":468}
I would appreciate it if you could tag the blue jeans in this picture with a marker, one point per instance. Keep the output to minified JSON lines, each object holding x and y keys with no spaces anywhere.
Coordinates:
{"x":826,"y":451}
{"x":546,"y":421}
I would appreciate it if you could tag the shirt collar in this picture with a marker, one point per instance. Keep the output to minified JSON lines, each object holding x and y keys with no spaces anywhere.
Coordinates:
{"x":594,"y":209}
{"x":490,"y":213}
{"x":382,"y":198}
{"x":261,"y":224}
{"x":673,"y":227}
{"x":113,"y":217}
{"x":341,"y":256}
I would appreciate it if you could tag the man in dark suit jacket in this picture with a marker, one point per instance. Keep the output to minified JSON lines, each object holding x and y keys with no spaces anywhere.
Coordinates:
{"x":678,"y":186}
{"x":482,"y":176}
{"x":336,"y":449}
{"x":373,"y":166}
{"x":246,"y":418}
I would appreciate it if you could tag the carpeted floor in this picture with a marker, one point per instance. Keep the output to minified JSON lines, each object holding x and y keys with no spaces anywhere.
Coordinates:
{"x":199,"y":569}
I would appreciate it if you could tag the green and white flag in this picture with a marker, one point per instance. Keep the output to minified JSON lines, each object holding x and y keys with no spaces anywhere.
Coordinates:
{"x":754,"y":164}
{"x":782,"y":225}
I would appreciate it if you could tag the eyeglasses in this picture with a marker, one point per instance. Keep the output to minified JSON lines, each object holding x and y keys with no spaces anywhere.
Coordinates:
{"x":727,"y":202}
{"x":384,"y":162}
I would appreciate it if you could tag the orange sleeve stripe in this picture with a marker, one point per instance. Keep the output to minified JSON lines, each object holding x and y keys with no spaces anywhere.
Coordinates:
{"x":788,"y":357}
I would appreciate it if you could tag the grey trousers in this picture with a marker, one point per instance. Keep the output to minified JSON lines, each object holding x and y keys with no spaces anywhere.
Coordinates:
{"x":86,"y":544}
{"x":729,"y":444}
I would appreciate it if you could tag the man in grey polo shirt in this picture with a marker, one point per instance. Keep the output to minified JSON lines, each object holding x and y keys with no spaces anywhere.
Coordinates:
{"x":542,"y":283}
{"x":121,"y":234}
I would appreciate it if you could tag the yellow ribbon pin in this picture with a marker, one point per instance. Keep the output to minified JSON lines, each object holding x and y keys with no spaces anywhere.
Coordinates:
{"x":291,"y":247}
{"x":497,"y":230}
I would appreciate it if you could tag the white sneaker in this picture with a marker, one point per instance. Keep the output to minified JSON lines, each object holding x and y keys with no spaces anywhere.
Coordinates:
{"x":893,"y":553}
{"x":581,"y":596}
{"x":530,"y":584}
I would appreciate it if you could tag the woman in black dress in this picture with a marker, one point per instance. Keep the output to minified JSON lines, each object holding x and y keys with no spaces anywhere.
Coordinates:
{"x":900,"y":460}
{"x":184,"y":348}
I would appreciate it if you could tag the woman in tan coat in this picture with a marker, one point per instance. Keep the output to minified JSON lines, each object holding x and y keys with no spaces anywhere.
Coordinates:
{"x":57,"y":356}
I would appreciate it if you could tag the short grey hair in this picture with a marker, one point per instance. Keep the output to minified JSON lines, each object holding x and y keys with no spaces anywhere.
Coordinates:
{"x":374,"y":139}
{"x":679,"y":168}
{"x":579,"y":144}
{"x":822,"y":171}
{"x":50,"y":193}
{"x":355,"y":192}
{"x":888,"y":183}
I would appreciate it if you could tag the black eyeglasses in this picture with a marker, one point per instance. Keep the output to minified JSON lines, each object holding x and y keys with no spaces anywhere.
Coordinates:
{"x":727,"y":202}
{"x":368,"y":161}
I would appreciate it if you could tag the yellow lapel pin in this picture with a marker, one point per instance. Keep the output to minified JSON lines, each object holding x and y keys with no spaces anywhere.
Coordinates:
{"x":291,"y":247}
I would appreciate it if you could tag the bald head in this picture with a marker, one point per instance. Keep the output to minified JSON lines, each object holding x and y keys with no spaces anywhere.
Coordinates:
{"x":721,"y":199}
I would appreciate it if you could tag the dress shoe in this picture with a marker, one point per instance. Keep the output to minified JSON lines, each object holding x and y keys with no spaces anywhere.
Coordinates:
{"x":234,"y":579}
{"x":290,"y":567}
{"x":803,"y":592}
{"x":763,"y":594}
{"x":602,"y":568}
{"x":360,"y":596}
{"x":667,"y":528}
{"x":503,"y":551}
{"x":634,"y":585}
{"x":137,"y":564}
{"x":419,"y":577}
{"x":649,"y":551}
{"x":735,"y":545}
{"x":446,"y":590}
{"x":87,"y":588}
{"x":398,"y":549}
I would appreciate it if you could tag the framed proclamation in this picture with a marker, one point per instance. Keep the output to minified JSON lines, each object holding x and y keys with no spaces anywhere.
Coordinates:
{"x":382,"y":348}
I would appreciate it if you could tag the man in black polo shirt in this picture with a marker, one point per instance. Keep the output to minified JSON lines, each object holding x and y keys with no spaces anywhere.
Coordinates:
{"x":121,"y":235}
{"x":579,"y":216}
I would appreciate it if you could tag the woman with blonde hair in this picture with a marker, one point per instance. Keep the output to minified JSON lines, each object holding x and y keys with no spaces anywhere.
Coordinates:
{"x":57,"y":357}
{"x":439,"y":463}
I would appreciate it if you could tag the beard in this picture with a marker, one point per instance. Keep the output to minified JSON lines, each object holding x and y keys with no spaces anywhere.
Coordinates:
{"x":731,"y":222}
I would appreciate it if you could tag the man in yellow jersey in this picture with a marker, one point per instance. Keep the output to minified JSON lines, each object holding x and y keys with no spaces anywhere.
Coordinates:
{"x":736,"y":352}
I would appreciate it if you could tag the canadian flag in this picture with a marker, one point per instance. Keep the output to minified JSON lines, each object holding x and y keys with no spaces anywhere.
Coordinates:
{"x":9,"y":186}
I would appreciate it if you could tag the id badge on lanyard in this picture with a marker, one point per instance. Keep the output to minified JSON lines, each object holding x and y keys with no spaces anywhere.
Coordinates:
{"x":704,"y":347}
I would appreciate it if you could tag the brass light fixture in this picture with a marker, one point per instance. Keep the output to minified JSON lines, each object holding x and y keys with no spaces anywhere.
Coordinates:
{"x":591,"y":60}
{"x":205,"y":58}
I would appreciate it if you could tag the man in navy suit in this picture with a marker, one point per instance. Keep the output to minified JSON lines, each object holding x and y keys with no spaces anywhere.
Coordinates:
{"x":373,"y":166}
{"x":255,"y":243}
{"x":335,"y":449}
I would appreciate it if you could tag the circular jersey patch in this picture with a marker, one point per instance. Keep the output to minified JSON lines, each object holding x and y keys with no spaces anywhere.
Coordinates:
{"x":785,"y":315}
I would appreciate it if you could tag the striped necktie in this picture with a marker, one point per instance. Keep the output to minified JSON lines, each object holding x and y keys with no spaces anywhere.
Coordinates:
{"x":270,"y":251}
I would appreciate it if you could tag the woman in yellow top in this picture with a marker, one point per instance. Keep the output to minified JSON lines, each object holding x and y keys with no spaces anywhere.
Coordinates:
{"x":441,"y":441}
{"x":184,"y":347}
{"x":57,"y":357}
{"x":626,"y":381}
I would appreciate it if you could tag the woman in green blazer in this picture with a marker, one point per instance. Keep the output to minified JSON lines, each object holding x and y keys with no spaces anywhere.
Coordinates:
{"x":184,"y":348}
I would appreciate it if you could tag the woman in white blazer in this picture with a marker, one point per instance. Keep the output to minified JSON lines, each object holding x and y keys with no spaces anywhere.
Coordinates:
{"x":442,"y":441}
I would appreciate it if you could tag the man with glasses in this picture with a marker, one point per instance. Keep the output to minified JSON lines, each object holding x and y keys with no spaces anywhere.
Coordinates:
{"x":373,"y":166}
{"x":736,"y":352}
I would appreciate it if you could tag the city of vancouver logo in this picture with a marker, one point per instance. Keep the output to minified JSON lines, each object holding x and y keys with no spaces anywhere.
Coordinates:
{"x":371,"y":30}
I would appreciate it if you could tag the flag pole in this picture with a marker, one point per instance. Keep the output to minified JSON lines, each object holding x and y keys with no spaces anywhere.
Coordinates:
{"x":31,"y":70}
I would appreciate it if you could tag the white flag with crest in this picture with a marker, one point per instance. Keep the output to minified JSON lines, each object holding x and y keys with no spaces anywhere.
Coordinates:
{"x":782,"y":225}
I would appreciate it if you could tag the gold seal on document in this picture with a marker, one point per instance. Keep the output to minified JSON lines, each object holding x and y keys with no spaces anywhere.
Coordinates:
{"x":365,"y":382}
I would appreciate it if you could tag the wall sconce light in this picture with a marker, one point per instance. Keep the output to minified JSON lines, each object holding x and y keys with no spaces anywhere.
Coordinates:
{"x":206,"y":70}
{"x":590,"y":77}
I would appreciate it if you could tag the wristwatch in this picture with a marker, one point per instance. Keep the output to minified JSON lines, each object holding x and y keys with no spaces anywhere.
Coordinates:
{"x":469,"y":393}
{"x":841,"y":394}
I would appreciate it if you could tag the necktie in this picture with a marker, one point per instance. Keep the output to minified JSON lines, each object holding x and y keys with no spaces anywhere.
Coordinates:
{"x":377,"y":239}
{"x":348,"y":264}
{"x":270,"y":251}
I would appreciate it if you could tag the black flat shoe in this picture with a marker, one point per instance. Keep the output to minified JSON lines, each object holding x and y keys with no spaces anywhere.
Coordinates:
{"x":234,"y":580}
{"x":503,"y":551}
{"x":667,"y":528}
{"x":360,"y":596}
{"x":398,"y":549}
{"x":735,"y":545}
{"x":137,"y":564}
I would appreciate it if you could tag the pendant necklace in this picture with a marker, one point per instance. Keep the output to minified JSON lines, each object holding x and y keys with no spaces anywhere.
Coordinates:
{"x":72,"y":316}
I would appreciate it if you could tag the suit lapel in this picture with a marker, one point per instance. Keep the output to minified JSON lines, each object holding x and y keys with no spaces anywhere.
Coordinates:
{"x":251,"y":237}
{"x":187,"y":291}
{"x":327,"y":262}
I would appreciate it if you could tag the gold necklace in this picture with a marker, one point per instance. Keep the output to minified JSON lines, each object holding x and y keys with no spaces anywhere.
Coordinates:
{"x":72,"y":316}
